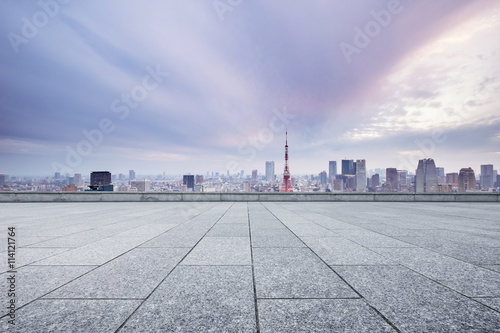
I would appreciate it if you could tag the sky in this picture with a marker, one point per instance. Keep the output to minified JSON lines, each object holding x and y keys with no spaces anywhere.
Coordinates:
{"x":212,"y":85}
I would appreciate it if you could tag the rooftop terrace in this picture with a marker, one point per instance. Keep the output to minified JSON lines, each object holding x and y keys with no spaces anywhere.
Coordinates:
{"x":253,"y":266}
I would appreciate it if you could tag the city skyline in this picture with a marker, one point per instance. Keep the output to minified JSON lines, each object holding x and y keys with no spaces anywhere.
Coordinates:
{"x":187,"y":88}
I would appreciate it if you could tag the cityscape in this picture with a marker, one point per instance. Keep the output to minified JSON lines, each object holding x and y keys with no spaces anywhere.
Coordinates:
{"x":347,"y":176}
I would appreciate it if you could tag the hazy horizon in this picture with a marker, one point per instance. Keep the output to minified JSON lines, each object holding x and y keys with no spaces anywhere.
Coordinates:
{"x":185,"y":87}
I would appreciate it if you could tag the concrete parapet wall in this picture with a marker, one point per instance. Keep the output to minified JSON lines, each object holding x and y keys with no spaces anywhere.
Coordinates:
{"x":264,"y":197}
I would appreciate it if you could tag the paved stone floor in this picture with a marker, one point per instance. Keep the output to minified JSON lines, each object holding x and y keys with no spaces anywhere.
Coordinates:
{"x":247,"y":267}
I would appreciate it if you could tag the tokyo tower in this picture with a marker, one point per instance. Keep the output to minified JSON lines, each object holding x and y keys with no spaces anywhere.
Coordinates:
{"x":287,"y":184}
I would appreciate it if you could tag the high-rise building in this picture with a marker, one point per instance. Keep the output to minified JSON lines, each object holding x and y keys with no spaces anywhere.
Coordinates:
{"x":466,"y":180}
{"x":360,"y":175}
{"x":270,"y":170}
{"x":441,"y":175}
{"x":131,"y":174}
{"x":2,"y":179}
{"x":99,"y":178}
{"x":427,"y":177}
{"x":497,"y":182}
{"x":323,"y":178}
{"x":332,"y":169}
{"x":254,"y":175}
{"x":143,"y":185}
{"x":486,"y":180}
{"x":391,"y":180}
{"x":452,"y":178}
{"x":287,"y":184}
{"x":375,"y":180}
{"x":403,"y":177}
{"x":348,"y":167}
{"x":188,"y":180}
{"x":248,"y":187}
{"x":199,"y":179}
{"x":57,"y":175}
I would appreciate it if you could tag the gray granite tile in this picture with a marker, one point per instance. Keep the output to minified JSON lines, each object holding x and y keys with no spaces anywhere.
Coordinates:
{"x":472,"y":254}
{"x":35,"y":281}
{"x":148,"y":230}
{"x":229,"y":230}
{"x":466,"y":278}
{"x":265,"y":223}
{"x":75,"y":240}
{"x":220,"y":251}
{"x":295,"y":273}
{"x":199,"y":299}
{"x":310,"y":229}
{"x":31,"y":240}
{"x":275,"y":238}
{"x":341,"y":251}
{"x":96,"y":253}
{"x":27,"y":255}
{"x":175,"y":239}
{"x":325,"y":315}
{"x":413,"y":303}
{"x":72,"y":316}
{"x":372,"y":239}
{"x":133,"y":275}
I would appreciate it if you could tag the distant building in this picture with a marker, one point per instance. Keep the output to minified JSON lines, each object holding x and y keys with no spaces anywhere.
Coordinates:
{"x":188,"y":180}
{"x":497,"y":182}
{"x":143,"y":185}
{"x":349,"y":182}
{"x":452,"y":178}
{"x":391,"y":180}
{"x":427,"y":177}
{"x":99,"y":178}
{"x":131,"y":174}
{"x":248,"y":187}
{"x":199,"y":179}
{"x":360,"y":175}
{"x":441,"y":176}
{"x":486,"y":180}
{"x":254,"y":175}
{"x":466,"y":180}
{"x":323,"y":178}
{"x":348,"y":167}
{"x":403,"y":180}
{"x":78,"y":180}
{"x":338,"y":184}
{"x":57,"y":175}
{"x":2,"y":179}
{"x":270,"y":170}
{"x":332,"y":169}
{"x":375,"y":180}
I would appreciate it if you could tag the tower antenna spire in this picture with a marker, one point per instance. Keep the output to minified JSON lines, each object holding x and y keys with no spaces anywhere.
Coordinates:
{"x":287,"y":184}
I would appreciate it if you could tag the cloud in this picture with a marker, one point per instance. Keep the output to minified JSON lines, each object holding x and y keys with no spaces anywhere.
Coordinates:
{"x":227,"y":77}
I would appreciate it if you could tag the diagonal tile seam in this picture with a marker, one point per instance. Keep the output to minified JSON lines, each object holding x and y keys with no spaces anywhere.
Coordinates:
{"x":333,"y":230}
{"x":72,"y":248}
{"x":96,"y":228}
{"x":257,"y":323}
{"x":347,"y":283}
{"x":399,"y":264}
{"x":97,"y":266}
{"x":373,"y":248}
{"x":177,"y":265}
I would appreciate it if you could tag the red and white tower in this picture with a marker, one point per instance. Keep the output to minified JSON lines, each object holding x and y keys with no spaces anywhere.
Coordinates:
{"x":287,"y":184}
